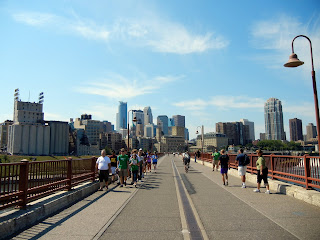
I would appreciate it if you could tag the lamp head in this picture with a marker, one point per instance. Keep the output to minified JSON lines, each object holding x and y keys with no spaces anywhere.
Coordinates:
{"x":293,"y":61}
{"x":197,"y":132}
{"x":134,"y":119}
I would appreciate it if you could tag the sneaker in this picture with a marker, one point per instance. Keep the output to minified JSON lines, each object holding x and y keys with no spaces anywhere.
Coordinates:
{"x":268,"y":192}
{"x":224,"y":184}
{"x":227,"y":183}
{"x":212,"y":170}
{"x":125,"y":183}
{"x":256,"y":190}
{"x":121,"y":185}
{"x":243,"y":186}
{"x":100,"y":189}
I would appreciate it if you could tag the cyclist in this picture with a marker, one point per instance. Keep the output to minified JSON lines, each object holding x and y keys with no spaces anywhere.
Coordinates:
{"x":186,"y":160}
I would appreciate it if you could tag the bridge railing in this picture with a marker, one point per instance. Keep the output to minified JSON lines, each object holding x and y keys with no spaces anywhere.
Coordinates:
{"x":299,"y":170}
{"x":23,"y":182}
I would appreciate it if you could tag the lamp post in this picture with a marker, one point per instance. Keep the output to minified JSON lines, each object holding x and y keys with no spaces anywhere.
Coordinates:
{"x":295,"y":62}
{"x":202,"y":139}
{"x":133,"y":120}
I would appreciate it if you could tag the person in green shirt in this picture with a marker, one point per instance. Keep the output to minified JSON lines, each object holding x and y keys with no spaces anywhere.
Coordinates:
{"x":122,"y":163}
{"x":262,"y":172}
{"x":215,"y":160}
{"x":134,"y":163}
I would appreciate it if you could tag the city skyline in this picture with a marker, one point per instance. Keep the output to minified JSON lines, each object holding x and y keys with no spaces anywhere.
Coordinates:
{"x":190,"y":59}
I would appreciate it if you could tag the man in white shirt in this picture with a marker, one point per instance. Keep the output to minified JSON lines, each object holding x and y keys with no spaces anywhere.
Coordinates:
{"x":103,"y":166}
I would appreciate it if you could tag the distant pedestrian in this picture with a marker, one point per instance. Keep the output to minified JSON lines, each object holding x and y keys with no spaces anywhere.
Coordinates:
{"x":224,"y":165}
{"x":123,"y":161}
{"x":149,"y":161}
{"x":141,"y":166}
{"x":198,"y":154}
{"x":262,"y":172}
{"x":215,"y":159}
{"x":154,"y":161}
{"x":103,"y":166}
{"x":134,"y":163}
{"x":242,"y":160}
{"x":113,"y":159}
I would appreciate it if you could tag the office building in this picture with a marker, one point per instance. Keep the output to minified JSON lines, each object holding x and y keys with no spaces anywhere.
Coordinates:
{"x":148,"y":118}
{"x":4,"y":134}
{"x":92,"y":128}
{"x":311,"y":131}
{"x":121,"y":116}
{"x":179,"y":121}
{"x":149,"y":130}
{"x":274,"y":120}
{"x":295,"y":126}
{"x":236,"y":132}
{"x":251,"y":128}
{"x":162,"y":122}
{"x":212,"y":141}
{"x":139,"y":116}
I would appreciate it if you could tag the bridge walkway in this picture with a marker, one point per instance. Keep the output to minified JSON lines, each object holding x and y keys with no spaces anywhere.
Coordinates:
{"x":172,"y":204}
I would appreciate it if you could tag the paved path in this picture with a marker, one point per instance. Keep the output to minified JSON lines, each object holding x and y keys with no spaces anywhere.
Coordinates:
{"x":172,"y":204}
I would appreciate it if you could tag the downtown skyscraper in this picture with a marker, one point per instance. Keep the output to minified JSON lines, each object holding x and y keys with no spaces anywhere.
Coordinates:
{"x":122,"y":116}
{"x":295,"y":126}
{"x":273,"y":117}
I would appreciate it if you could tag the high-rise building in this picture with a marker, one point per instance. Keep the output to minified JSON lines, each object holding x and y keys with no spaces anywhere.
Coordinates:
{"x":171,"y":122}
{"x":139,"y":115}
{"x":179,"y":121}
{"x":237,"y":133}
{"x":295,"y":126}
{"x":122,"y":120}
{"x":162,"y":122}
{"x":251,"y":128}
{"x":149,"y":130}
{"x":274,"y":120}
{"x":148,"y":119}
{"x":4,"y":133}
{"x":311,"y":131}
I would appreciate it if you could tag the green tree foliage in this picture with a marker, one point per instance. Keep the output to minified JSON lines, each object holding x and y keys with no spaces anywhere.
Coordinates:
{"x":278,"y":145}
{"x":108,"y":151}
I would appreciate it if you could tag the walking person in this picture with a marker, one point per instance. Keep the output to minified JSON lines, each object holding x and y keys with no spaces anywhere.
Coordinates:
{"x":154,"y":161}
{"x":113,"y":159}
{"x":224,"y":166}
{"x":103,"y":166}
{"x":242,"y":161}
{"x":123,"y":162}
{"x":262,"y":172}
{"x":134,"y":163}
{"x":141,"y":165}
{"x":149,"y":161}
{"x":215,"y":159}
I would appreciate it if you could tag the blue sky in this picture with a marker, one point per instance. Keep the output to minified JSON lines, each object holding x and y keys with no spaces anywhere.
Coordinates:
{"x":212,"y":61}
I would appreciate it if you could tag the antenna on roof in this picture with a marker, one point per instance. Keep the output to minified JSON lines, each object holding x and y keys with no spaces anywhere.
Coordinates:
{"x":16,"y":94}
{"x":41,"y":98}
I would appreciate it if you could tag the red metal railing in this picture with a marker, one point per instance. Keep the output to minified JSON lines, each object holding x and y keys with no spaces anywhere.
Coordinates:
{"x":23,"y":182}
{"x":300,"y":170}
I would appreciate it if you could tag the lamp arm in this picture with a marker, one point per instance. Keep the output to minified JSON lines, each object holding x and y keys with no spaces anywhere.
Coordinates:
{"x":310,"y":48}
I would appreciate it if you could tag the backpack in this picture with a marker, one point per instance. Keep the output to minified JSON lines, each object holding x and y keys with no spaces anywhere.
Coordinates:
{"x":186,"y":157}
{"x":247,"y":160}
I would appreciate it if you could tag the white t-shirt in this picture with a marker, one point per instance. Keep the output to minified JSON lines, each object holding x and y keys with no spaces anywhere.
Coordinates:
{"x":103,"y":163}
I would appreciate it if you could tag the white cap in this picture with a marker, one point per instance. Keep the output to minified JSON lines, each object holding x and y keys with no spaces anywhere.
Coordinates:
{"x":140,"y":149}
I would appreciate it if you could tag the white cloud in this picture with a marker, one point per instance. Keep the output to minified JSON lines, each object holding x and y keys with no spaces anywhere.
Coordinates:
{"x":158,"y":34}
{"x":48,"y":116}
{"x":197,"y":104}
{"x":277,"y":34}
{"x":117,"y":86}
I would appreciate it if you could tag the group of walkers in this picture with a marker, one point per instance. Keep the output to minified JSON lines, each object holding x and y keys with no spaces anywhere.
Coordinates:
{"x":222,"y":159}
{"x":135,"y":165}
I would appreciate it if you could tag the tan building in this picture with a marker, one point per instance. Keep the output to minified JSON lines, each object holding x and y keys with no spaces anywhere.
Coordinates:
{"x":213,"y":140}
{"x":91,"y":127}
{"x":4,"y":133}
{"x":177,"y":131}
{"x":171,"y":144}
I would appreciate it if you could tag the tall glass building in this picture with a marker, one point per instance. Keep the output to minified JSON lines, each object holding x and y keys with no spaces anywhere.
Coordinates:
{"x":148,"y":119}
{"x":162,"y":120}
{"x":273,"y":117}
{"x":122,"y":116}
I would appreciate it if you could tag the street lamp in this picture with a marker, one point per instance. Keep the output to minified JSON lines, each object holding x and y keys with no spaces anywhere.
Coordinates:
{"x":295,"y":62}
{"x":133,"y":120}
{"x":202,"y":139}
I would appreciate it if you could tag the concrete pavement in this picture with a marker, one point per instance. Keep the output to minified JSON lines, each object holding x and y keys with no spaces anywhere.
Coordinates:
{"x":153,"y":211}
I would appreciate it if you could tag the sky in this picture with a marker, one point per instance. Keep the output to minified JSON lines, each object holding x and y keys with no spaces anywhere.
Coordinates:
{"x":211,"y":61}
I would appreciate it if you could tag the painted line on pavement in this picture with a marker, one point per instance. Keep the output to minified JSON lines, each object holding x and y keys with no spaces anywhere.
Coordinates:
{"x":188,"y":212}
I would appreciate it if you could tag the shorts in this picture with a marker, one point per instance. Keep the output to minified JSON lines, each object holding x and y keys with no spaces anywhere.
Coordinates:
{"x":113,"y":170}
{"x":186,"y":162}
{"x":224,"y":170}
{"x":154,"y":162}
{"x":103,"y":175}
{"x":215,"y":162}
{"x":123,"y":172}
{"x":263,"y":177}
{"x":242,"y":170}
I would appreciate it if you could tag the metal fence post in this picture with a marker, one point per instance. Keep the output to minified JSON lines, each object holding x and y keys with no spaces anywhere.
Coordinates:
{"x":93,"y":168}
{"x":23,"y":183}
{"x":307,"y":172}
{"x":272,"y":165}
{"x":69,"y":174}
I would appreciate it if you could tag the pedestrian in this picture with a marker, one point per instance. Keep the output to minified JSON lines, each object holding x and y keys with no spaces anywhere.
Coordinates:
{"x":262,"y":172}
{"x":134,"y":163}
{"x":103,"y":166}
{"x":242,"y":161}
{"x":154,"y":161}
{"x":122,"y":162}
{"x":113,"y":159}
{"x":149,"y":161}
{"x":198,"y":154}
{"x":224,"y":163}
{"x":141,"y":165}
{"x":215,"y":159}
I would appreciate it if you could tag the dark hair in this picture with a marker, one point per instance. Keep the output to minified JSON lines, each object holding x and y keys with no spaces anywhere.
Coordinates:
{"x":241,"y":150}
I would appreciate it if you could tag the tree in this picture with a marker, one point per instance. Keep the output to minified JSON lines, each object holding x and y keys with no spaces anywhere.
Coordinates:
{"x":108,"y":151}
